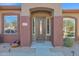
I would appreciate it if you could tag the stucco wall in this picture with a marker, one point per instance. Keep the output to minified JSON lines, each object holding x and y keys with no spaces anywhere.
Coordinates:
{"x":27,"y":6}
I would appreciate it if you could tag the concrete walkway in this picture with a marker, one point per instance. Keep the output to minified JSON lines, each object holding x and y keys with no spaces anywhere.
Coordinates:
{"x":37,"y":49}
{"x":45,"y":44}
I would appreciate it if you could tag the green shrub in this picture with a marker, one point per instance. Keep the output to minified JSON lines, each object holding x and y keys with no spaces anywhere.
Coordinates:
{"x":70,"y":34}
{"x":68,"y":42}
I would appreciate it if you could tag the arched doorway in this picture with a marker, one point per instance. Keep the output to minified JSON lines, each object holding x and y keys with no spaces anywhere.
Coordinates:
{"x":41,"y":24}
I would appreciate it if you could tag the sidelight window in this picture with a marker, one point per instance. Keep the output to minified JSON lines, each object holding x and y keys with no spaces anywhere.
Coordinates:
{"x":48,"y":26}
{"x":33,"y":26}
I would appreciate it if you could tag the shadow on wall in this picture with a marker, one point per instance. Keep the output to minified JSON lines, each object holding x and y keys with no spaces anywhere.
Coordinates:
{"x":1,"y":38}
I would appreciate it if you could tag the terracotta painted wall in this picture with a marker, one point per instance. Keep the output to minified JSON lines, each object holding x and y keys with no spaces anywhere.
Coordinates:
{"x":58,"y":31}
{"x":25,"y":31}
{"x":0,"y":23}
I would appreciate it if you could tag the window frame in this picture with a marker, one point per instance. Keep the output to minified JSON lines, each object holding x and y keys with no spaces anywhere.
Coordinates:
{"x":33,"y":26}
{"x":71,"y":18}
{"x":48,"y":34}
{"x":17,"y":26}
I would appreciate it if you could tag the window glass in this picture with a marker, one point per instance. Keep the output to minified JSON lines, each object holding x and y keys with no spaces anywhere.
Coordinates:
{"x":69,"y":28}
{"x":10,"y":24}
{"x":33,"y":26}
{"x":48,"y":26}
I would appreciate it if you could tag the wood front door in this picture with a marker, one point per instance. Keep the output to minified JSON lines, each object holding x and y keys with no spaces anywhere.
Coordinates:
{"x":40,"y":28}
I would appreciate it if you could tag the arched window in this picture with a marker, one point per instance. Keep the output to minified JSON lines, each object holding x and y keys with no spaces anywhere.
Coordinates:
{"x":69,"y":27}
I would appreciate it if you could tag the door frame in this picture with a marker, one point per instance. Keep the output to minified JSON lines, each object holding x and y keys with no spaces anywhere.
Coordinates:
{"x":34,"y":29}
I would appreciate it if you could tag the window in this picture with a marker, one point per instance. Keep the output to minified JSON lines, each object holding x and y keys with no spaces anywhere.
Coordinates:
{"x":10,"y":24}
{"x":41,"y":26}
{"x":69,"y":28}
{"x":48,"y":26}
{"x":33,"y":26}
